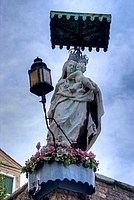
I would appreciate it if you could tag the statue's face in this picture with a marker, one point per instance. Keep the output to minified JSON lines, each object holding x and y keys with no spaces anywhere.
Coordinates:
{"x":81,"y":67}
{"x":71,"y":66}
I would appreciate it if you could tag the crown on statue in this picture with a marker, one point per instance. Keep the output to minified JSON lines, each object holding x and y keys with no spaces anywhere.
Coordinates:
{"x":76,"y":55}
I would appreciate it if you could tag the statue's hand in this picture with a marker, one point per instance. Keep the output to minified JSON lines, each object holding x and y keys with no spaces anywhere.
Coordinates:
{"x":72,"y":89}
{"x":75,"y":74}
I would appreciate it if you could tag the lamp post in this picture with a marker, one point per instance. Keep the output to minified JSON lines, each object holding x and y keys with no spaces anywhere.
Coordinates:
{"x":41,"y":84}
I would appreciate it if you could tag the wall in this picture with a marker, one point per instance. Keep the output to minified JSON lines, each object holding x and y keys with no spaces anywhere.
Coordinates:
{"x":11,"y":168}
{"x":106,"y":189}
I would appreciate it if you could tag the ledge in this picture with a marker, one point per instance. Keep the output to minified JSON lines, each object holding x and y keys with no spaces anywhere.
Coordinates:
{"x":114,"y":183}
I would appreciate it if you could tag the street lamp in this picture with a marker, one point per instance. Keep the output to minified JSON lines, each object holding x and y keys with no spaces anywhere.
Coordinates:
{"x":41,"y":84}
{"x":40,"y":78}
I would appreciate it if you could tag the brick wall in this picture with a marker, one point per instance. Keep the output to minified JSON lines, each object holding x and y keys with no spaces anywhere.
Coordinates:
{"x":110,"y":189}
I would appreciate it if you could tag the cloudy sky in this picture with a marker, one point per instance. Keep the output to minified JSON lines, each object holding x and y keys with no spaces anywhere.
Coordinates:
{"x":24,"y":35}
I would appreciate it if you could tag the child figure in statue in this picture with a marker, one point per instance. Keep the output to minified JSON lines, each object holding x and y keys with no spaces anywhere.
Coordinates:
{"x":76,"y":105}
{"x":80,"y":81}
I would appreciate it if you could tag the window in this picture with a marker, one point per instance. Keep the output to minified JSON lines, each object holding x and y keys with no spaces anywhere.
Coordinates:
{"x":8,"y":183}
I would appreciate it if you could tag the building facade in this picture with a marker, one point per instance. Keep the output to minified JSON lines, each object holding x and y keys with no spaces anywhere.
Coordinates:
{"x":10,"y":171}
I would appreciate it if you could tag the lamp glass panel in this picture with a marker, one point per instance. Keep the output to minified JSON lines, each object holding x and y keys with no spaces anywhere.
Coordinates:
{"x":34,"y":77}
{"x":47,"y":77}
{"x":41,"y":75}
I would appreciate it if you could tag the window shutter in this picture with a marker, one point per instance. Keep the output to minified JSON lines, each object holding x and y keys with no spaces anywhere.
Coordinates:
{"x":8,"y":183}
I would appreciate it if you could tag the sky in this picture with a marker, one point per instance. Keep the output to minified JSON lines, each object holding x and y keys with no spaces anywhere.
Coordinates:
{"x":24,"y":35}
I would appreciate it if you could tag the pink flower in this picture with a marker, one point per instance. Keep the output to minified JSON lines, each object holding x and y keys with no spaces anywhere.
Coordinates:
{"x":51,"y":148}
{"x":80,"y":151}
{"x":31,"y":163}
{"x":91,"y":155}
{"x":82,"y":159}
{"x":42,"y":153}
{"x":37,"y":154}
{"x":70,"y":149}
{"x":42,"y":156}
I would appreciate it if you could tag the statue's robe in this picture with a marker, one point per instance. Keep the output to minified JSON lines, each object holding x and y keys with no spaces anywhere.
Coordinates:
{"x":78,"y":114}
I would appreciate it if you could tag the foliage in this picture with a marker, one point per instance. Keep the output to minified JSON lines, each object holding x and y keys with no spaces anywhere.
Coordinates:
{"x":63,"y":154}
{"x":3,"y":189}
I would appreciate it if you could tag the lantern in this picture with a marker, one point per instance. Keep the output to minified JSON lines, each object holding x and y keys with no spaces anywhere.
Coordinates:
{"x":40,"y":78}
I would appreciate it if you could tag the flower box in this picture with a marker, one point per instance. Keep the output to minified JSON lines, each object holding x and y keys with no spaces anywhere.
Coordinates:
{"x":56,"y":175}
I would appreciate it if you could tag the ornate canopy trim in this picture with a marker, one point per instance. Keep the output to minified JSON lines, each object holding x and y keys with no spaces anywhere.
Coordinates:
{"x":80,"y":30}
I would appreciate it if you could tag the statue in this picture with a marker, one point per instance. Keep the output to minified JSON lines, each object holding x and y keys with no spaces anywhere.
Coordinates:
{"x":76,"y":104}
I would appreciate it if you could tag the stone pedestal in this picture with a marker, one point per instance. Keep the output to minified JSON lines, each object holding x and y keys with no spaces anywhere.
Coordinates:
{"x":60,"y":194}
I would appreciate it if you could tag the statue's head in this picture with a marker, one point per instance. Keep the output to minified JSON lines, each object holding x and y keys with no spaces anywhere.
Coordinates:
{"x":68,"y":68}
{"x":82,"y":60}
{"x":81,"y":66}
{"x":75,"y":62}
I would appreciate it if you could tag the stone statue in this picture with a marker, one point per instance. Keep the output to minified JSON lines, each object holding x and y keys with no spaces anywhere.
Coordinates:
{"x":76,"y":105}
